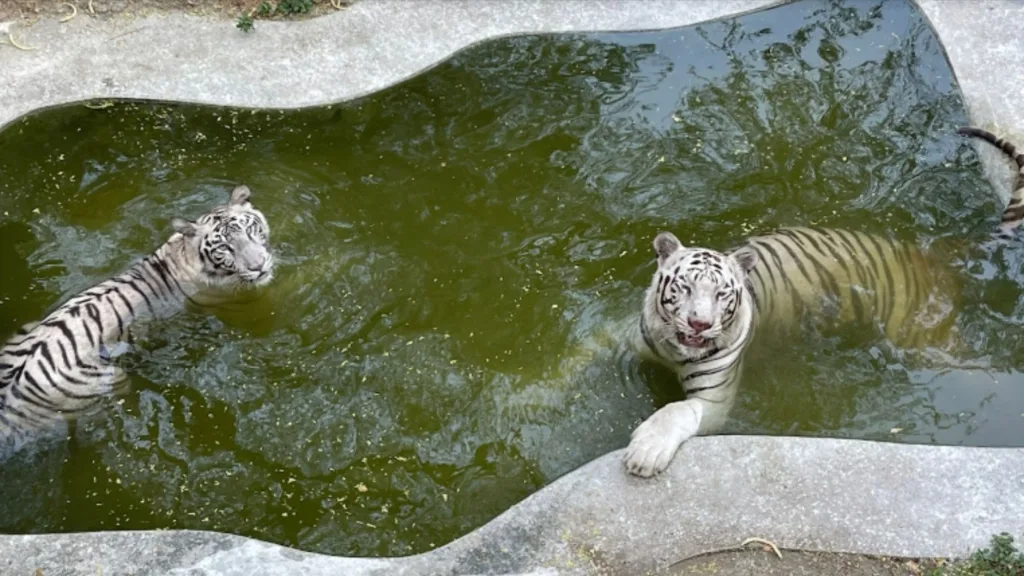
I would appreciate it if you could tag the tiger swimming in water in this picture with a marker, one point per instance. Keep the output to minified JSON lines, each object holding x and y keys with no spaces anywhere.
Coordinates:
{"x":62,"y":366}
{"x":703,"y":306}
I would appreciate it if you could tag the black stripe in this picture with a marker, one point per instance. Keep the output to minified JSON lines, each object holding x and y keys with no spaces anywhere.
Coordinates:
{"x":71,"y":379}
{"x":120,"y":322}
{"x":64,"y":354}
{"x":32,"y":398}
{"x":70,"y":337}
{"x":890,"y":287}
{"x":166,"y":268}
{"x":31,"y":384}
{"x":31,"y":418}
{"x":864,"y":276}
{"x":140,"y":292}
{"x":647,"y":337}
{"x":828,"y":243}
{"x":732,"y":379}
{"x":21,"y":351}
{"x":131,"y":309}
{"x":663,"y":285}
{"x":44,"y":351}
{"x":906,"y":261}
{"x":67,"y":392}
{"x":823,"y":272}
{"x":777,"y":261}
{"x":765,"y":266}
{"x":94,"y":313}
{"x":137,"y":274}
{"x":147,"y":275}
{"x":154,"y":263}
{"x":88,"y":332}
{"x":710,"y":372}
{"x":873,"y":279}
{"x":826,"y":274}
{"x":753,"y":290}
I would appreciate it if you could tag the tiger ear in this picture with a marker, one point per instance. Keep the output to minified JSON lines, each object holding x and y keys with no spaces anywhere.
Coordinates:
{"x":240,"y":195}
{"x":746,"y":258}
{"x":183,"y":227}
{"x":665,"y":245}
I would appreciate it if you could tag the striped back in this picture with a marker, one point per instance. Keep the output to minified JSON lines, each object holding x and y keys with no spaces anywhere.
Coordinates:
{"x":852,"y":276}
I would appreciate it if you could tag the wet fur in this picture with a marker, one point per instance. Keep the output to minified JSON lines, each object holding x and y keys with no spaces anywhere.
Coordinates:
{"x":62,"y":366}
{"x":774,"y":278}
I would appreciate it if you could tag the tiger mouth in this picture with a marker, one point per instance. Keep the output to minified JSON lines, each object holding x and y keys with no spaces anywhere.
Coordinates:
{"x":260,"y":278}
{"x":691,"y":340}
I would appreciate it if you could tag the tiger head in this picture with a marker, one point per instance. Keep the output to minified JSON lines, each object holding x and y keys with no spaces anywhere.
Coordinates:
{"x":696,"y":302}
{"x":227,"y":246}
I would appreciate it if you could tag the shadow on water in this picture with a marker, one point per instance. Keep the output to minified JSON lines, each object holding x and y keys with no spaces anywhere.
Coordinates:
{"x":451,"y":248}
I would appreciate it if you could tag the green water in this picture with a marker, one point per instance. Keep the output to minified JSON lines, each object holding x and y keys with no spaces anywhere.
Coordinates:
{"x":444,"y":243}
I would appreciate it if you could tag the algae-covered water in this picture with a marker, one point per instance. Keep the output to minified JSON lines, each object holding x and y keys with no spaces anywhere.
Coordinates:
{"x":449,"y":250}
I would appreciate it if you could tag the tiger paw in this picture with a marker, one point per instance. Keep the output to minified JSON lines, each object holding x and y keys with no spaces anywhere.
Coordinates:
{"x":655,"y":442}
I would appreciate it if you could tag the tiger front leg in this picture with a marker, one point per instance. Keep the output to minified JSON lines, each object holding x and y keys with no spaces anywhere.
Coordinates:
{"x":656,"y":440}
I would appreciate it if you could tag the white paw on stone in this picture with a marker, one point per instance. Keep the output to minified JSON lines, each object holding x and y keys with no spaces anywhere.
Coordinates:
{"x":655,"y":442}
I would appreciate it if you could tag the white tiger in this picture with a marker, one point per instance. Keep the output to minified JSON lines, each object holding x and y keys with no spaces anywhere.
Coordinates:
{"x":63,"y":366}
{"x":702,"y":307}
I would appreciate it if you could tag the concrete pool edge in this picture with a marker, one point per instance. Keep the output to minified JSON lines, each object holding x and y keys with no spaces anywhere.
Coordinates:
{"x":328,"y":59}
{"x":800,"y":493}
{"x":815,"y":494}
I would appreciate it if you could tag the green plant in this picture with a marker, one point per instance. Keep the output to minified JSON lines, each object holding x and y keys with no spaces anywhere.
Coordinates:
{"x":265,"y":8}
{"x":1002,"y":559}
{"x":244,"y":23}
{"x":294,"y":6}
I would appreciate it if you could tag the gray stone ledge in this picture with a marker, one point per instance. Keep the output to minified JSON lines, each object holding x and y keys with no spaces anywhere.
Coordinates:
{"x":813,"y":494}
{"x":366,"y":47}
{"x":801,"y":493}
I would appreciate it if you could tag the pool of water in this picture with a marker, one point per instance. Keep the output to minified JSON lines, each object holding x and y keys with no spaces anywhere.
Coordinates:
{"x":450,"y":250}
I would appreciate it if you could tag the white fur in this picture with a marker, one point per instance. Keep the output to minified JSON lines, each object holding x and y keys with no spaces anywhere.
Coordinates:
{"x":63,"y":366}
{"x":710,"y":373}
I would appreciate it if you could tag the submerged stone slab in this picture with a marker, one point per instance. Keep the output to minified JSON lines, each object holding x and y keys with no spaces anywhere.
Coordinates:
{"x":811,"y":494}
{"x":815,"y":494}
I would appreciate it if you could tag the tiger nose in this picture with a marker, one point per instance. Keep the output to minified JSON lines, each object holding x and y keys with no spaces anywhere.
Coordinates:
{"x":698,"y":325}
{"x":257,"y":265}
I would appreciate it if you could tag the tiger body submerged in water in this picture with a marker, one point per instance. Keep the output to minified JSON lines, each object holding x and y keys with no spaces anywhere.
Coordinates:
{"x":63,"y":366}
{"x":703,"y":306}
